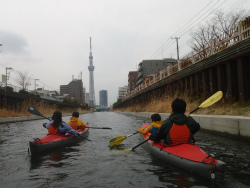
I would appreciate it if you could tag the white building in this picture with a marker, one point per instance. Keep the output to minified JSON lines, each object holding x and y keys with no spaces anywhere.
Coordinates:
{"x":122,"y":92}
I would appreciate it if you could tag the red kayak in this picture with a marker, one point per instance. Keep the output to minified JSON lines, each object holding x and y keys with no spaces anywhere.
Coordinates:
{"x":187,"y":156}
{"x":55,"y":141}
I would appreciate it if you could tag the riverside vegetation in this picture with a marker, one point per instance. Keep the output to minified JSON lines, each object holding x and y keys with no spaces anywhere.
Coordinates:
{"x":43,"y":107}
{"x":163,"y":105}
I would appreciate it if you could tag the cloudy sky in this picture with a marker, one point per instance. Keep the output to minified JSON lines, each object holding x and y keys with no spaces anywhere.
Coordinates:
{"x":50,"y":38}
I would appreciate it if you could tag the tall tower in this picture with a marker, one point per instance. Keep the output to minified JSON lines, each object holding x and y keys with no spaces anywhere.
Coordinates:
{"x":91,"y":79}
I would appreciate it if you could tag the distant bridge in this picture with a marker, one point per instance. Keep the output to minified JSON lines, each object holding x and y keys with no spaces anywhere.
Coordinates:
{"x":224,"y":65}
{"x":102,"y":108}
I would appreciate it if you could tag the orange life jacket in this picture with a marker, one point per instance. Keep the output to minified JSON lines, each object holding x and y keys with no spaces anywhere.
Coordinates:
{"x":178,"y":134}
{"x":52,"y":130}
{"x":74,"y":125}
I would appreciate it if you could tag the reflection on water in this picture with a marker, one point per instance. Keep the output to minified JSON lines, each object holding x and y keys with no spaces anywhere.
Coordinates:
{"x":55,"y":159}
{"x":117,"y":147}
{"x":179,"y":178}
{"x":96,"y":164}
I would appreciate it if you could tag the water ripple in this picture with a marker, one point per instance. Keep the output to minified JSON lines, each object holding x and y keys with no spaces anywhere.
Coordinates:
{"x":95,"y":164}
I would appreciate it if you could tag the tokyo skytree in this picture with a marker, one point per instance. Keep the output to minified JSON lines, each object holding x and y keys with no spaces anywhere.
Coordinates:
{"x":91,"y":79}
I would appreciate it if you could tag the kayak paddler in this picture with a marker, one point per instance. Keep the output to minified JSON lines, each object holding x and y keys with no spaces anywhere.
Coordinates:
{"x":57,"y":126}
{"x":179,"y":127}
{"x":154,"y":126}
{"x":76,"y":123}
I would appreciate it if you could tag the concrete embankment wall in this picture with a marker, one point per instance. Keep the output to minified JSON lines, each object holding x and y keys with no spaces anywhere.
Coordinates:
{"x":236,"y":126}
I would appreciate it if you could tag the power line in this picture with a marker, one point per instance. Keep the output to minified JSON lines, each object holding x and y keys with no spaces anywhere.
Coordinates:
{"x":238,"y":4}
{"x":185,"y":24}
{"x":16,"y":73}
{"x":182,"y":34}
{"x":48,"y":86}
{"x":204,"y":18}
{"x":157,"y":52}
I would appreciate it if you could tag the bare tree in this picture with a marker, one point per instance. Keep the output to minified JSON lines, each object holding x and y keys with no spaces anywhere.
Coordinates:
{"x":220,"y":26}
{"x":23,"y":79}
{"x":200,"y":39}
{"x":222,"y":23}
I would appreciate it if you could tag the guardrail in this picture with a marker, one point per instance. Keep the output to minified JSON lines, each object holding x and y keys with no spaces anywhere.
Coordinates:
{"x":236,"y":34}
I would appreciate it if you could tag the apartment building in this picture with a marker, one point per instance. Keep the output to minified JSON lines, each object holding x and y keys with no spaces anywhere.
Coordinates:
{"x":122,"y":91}
{"x":74,"y":89}
{"x":132,"y":80}
{"x":151,"y":67}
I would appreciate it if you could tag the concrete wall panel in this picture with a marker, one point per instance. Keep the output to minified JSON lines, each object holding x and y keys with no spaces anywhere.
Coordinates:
{"x":244,"y":127}
{"x":237,"y":126}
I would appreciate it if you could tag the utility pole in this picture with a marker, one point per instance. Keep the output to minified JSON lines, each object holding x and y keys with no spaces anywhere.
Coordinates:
{"x":35,"y":83}
{"x":177,"y":46}
{"x":7,"y":68}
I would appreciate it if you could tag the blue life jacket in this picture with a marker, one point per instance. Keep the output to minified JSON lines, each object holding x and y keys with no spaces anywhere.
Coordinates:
{"x":153,"y":129}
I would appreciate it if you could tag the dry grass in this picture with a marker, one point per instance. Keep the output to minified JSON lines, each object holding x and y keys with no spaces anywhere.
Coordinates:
{"x":164,"y":106}
{"x":156,"y":105}
{"x":43,"y":107}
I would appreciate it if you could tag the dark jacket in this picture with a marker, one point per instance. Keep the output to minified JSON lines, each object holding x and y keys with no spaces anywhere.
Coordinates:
{"x":179,"y":119}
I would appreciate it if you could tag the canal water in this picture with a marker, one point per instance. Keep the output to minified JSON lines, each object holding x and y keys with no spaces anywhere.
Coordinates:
{"x":94,"y":164}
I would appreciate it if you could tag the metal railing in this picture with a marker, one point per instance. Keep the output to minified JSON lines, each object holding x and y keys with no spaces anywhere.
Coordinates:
{"x":236,"y":34}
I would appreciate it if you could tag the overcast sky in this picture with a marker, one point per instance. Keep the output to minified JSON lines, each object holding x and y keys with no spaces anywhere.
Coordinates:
{"x":50,"y":38}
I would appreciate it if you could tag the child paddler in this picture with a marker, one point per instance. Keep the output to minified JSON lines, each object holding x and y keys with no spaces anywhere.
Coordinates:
{"x":154,"y":126}
{"x":76,"y":123}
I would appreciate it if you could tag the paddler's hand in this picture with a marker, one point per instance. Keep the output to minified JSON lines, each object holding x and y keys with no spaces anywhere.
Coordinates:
{"x":187,"y":114}
{"x":150,"y":138}
{"x":44,"y":125}
{"x":140,"y":130}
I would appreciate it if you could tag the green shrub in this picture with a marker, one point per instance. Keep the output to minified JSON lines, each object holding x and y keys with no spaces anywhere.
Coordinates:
{"x":23,"y":92}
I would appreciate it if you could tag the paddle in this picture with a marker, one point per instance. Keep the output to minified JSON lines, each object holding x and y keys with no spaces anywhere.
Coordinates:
{"x":119,"y":139}
{"x":211,"y":100}
{"x":136,"y":145}
{"x":100,"y":127}
{"x":36,"y":112}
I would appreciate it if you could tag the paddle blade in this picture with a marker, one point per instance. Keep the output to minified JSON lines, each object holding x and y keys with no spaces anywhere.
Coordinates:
{"x":128,"y":149}
{"x":211,"y":100}
{"x":34,"y":111}
{"x":117,"y":140}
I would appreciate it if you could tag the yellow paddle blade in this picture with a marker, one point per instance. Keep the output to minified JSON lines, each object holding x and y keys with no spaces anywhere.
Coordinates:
{"x":128,"y":149}
{"x":211,"y":100}
{"x":117,"y":140}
